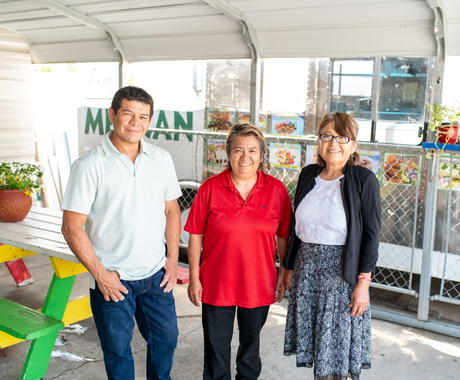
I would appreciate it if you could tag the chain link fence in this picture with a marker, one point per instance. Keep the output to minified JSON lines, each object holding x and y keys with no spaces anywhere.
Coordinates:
{"x":446,"y":253}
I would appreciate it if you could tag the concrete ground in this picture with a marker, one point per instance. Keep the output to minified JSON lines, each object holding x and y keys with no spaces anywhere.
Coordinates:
{"x":399,"y":352}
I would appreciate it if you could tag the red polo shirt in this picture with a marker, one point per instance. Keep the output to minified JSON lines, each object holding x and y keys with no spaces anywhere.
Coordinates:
{"x":239,"y":242}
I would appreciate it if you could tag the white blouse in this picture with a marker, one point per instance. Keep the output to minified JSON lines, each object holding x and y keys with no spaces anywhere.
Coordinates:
{"x":320,"y":216}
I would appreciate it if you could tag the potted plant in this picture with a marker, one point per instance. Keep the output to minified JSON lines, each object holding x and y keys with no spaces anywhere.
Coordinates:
{"x":444,"y":122}
{"x":18,"y":181}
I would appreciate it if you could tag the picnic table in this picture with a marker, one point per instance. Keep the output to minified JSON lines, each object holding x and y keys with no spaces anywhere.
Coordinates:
{"x":40,"y":233}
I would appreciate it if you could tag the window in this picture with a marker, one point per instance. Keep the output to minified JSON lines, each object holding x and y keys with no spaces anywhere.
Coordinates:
{"x":401,"y":104}
{"x":396,"y":114}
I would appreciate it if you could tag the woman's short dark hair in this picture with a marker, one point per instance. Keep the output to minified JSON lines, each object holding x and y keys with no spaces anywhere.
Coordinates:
{"x":245,"y":129}
{"x":344,"y":125}
{"x":131,"y":93}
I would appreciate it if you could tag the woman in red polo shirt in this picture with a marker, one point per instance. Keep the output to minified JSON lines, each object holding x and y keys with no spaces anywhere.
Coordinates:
{"x":239,"y":217}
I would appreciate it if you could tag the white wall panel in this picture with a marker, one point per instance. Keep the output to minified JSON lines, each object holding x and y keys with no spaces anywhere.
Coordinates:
{"x":17,"y":138}
{"x":16,"y":89}
{"x":16,"y":115}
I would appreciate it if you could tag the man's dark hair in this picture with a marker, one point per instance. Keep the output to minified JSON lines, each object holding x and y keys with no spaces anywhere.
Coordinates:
{"x":131,"y":93}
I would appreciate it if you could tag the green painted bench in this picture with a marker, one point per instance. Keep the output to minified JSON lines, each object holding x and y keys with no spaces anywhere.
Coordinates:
{"x":24,"y":323}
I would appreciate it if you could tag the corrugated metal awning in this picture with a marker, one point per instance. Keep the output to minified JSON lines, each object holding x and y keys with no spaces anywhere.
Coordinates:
{"x":193,"y":29}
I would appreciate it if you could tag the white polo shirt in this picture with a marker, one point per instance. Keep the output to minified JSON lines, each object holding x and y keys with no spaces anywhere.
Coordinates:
{"x":125,"y":204}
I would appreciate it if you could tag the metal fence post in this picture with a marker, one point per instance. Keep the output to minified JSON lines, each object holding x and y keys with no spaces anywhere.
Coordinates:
{"x":428,"y":237}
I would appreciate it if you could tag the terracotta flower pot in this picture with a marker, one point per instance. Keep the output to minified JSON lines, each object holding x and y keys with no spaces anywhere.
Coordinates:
{"x":14,"y":205}
{"x":448,"y":134}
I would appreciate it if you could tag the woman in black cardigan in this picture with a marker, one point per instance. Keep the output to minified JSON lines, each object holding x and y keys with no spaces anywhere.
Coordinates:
{"x":331,"y":256}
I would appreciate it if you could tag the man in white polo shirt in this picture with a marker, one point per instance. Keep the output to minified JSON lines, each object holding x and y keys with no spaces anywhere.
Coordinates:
{"x":119,"y":205}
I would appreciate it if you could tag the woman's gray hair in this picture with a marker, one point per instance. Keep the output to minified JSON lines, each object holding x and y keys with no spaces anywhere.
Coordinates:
{"x":243,"y":130}
{"x":344,"y":125}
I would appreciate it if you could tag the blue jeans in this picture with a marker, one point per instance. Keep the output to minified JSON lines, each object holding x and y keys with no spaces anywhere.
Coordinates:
{"x":155,"y":314}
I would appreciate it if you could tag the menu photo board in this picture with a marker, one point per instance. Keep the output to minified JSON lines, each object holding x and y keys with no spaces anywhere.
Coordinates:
{"x":216,"y":153}
{"x":401,"y":169}
{"x":446,"y":169}
{"x":287,"y":124}
{"x":286,"y":156}
{"x":244,"y":116}
{"x":370,"y":159}
{"x":220,"y":119}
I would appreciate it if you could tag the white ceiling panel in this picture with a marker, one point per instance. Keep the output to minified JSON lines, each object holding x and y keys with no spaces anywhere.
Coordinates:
{"x":224,"y":46}
{"x":181,"y":26}
{"x":88,"y":51}
{"x":51,"y":22}
{"x":192,"y":29}
{"x":76,"y":33}
{"x":155,"y":14}
{"x":350,"y":42}
{"x":452,"y":16}
{"x":452,"y":9}
{"x":332,"y":17}
{"x":30,"y":15}
{"x":453,"y":39}
{"x":149,"y":7}
{"x":122,"y":5}
{"x":71,"y":3}
{"x":19,"y":6}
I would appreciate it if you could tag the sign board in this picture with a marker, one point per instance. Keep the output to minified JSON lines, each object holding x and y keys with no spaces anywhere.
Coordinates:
{"x":186,"y":150}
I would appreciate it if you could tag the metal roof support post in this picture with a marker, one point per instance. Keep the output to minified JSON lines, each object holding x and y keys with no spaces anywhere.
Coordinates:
{"x":440,"y":35}
{"x":92,"y":23}
{"x":254,"y":91}
{"x":432,"y":185}
{"x":428,"y":238}
{"x":250,"y":38}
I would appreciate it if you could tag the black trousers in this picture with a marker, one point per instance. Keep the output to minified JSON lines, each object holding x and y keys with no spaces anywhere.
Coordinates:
{"x":218,"y":331}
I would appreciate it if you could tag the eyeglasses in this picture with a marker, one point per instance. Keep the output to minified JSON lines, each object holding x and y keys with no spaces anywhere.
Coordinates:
{"x":339,"y":139}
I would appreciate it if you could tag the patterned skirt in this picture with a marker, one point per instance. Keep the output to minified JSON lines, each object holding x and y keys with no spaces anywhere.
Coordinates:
{"x":319,"y":328}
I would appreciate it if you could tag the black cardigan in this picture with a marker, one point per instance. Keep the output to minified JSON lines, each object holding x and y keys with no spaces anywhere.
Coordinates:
{"x":363,"y":208}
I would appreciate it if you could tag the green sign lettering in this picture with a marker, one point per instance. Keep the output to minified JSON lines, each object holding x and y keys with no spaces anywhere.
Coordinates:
{"x":162,"y":120}
{"x":179,"y":123}
{"x":94,"y":124}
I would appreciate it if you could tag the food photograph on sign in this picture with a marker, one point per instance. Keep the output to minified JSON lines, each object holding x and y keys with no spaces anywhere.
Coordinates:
{"x":285,"y":156}
{"x":444,"y":173}
{"x":220,"y":120}
{"x":244,"y":116}
{"x":287,"y":124}
{"x":401,"y":169}
{"x":369,"y":159}
{"x":216,"y":152}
